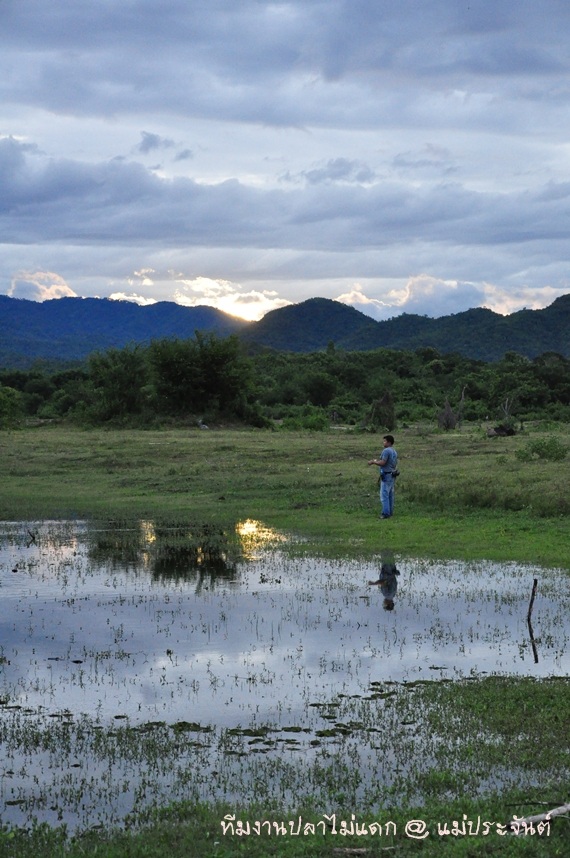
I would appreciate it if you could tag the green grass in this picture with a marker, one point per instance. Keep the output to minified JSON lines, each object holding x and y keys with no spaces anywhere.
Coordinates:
{"x":461,"y":495}
{"x":194,"y":831}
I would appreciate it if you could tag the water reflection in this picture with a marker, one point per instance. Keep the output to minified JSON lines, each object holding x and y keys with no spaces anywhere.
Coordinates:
{"x":255,"y":537}
{"x":389,"y":585}
{"x":148,"y":601}
{"x":182,"y":552}
{"x":201,"y":629}
{"x":388,"y":580}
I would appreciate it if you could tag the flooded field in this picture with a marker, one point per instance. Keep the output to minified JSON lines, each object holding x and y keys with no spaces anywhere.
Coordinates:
{"x":143,"y":663}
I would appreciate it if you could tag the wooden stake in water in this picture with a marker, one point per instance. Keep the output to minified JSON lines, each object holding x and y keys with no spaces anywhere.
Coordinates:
{"x":530,"y":607}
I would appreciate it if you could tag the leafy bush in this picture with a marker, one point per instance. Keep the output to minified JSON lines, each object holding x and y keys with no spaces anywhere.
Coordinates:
{"x":10,"y":407}
{"x":306,"y":417}
{"x":548,"y":449}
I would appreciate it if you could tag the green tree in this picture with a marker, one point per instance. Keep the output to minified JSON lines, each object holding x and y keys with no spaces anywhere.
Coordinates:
{"x":174,"y":373}
{"x":11,"y":411}
{"x":37,"y":391}
{"x":552,"y":372}
{"x":320,"y":388}
{"x":514,"y":378}
{"x":117,"y":378}
{"x":225,"y":373}
{"x":204,"y":374}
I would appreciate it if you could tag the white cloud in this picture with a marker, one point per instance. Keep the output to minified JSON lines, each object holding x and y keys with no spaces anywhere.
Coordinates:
{"x":506,"y":302}
{"x":39,"y":286}
{"x":422,"y":295}
{"x":371,"y":306}
{"x":144,"y":277}
{"x":228,"y":297}
{"x":133,"y":297}
{"x":429,"y":296}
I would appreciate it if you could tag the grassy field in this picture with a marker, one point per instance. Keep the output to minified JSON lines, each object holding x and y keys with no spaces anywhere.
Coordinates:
{"x":196,"y":832}
{"x":461,"y":495}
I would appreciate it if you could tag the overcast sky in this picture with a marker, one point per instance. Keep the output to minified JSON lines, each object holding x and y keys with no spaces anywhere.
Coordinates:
{"x":396,"y":155}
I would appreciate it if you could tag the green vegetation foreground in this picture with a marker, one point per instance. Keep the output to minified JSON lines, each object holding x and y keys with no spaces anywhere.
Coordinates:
{"x":460,"y":495}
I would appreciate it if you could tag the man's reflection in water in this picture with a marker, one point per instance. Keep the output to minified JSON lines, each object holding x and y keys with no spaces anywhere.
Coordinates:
{"x":388,"y":583}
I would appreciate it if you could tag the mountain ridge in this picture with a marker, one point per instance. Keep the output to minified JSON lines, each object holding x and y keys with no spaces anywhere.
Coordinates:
{"x":69,"y":329}
{"x":72,"y":328}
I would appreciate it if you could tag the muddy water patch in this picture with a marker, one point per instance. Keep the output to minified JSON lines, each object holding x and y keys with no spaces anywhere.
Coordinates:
{"x":143,"y":663}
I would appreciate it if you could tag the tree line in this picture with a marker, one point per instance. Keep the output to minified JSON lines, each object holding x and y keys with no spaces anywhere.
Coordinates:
{"x":211,"y":378}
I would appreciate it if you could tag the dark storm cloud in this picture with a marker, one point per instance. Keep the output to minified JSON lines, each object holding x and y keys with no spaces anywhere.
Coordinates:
{"x":240,"y":59}
{"x":121,"y":202}
{"x":369,"y":137}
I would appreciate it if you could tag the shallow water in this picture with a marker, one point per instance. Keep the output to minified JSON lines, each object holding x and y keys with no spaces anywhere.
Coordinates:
{"x":131,"y":625}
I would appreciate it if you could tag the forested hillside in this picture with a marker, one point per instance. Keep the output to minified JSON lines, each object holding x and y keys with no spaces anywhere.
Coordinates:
{"x":213,"y":378}
{"x":73,"y":328}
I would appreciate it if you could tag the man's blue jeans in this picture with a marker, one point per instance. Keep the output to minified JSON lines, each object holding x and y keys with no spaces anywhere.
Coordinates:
{"x":387,"y":494}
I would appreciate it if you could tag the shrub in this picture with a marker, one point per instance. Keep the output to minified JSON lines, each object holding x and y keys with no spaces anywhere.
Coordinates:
{"x":10,"y":407}
{"x":306,"y":417}
{"x":548,"y":449}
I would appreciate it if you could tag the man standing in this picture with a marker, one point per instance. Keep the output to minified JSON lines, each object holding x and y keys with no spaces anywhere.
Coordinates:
{"x":388,"y":464}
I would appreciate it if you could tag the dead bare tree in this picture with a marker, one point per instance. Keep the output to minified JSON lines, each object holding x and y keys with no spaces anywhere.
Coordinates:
{"x":446,"y":419}
{"x":450,"y":419}
{"x":527,"y":823}
{"x":506,"y":426}
{"x":506,"y":408}
{"x":382,"y":412}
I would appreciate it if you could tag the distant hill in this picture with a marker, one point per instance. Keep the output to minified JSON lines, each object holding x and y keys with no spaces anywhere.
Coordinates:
{"x":308,"y":327}
{"x":478,"y":333}
{"x":69,"y":329}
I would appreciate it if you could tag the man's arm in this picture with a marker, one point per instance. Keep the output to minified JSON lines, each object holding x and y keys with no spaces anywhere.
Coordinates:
{"x":379,"y":462}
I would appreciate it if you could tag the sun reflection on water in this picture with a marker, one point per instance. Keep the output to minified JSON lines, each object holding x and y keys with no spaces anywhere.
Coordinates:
{"x":255,"y":536}
{"x":148,"y":532}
